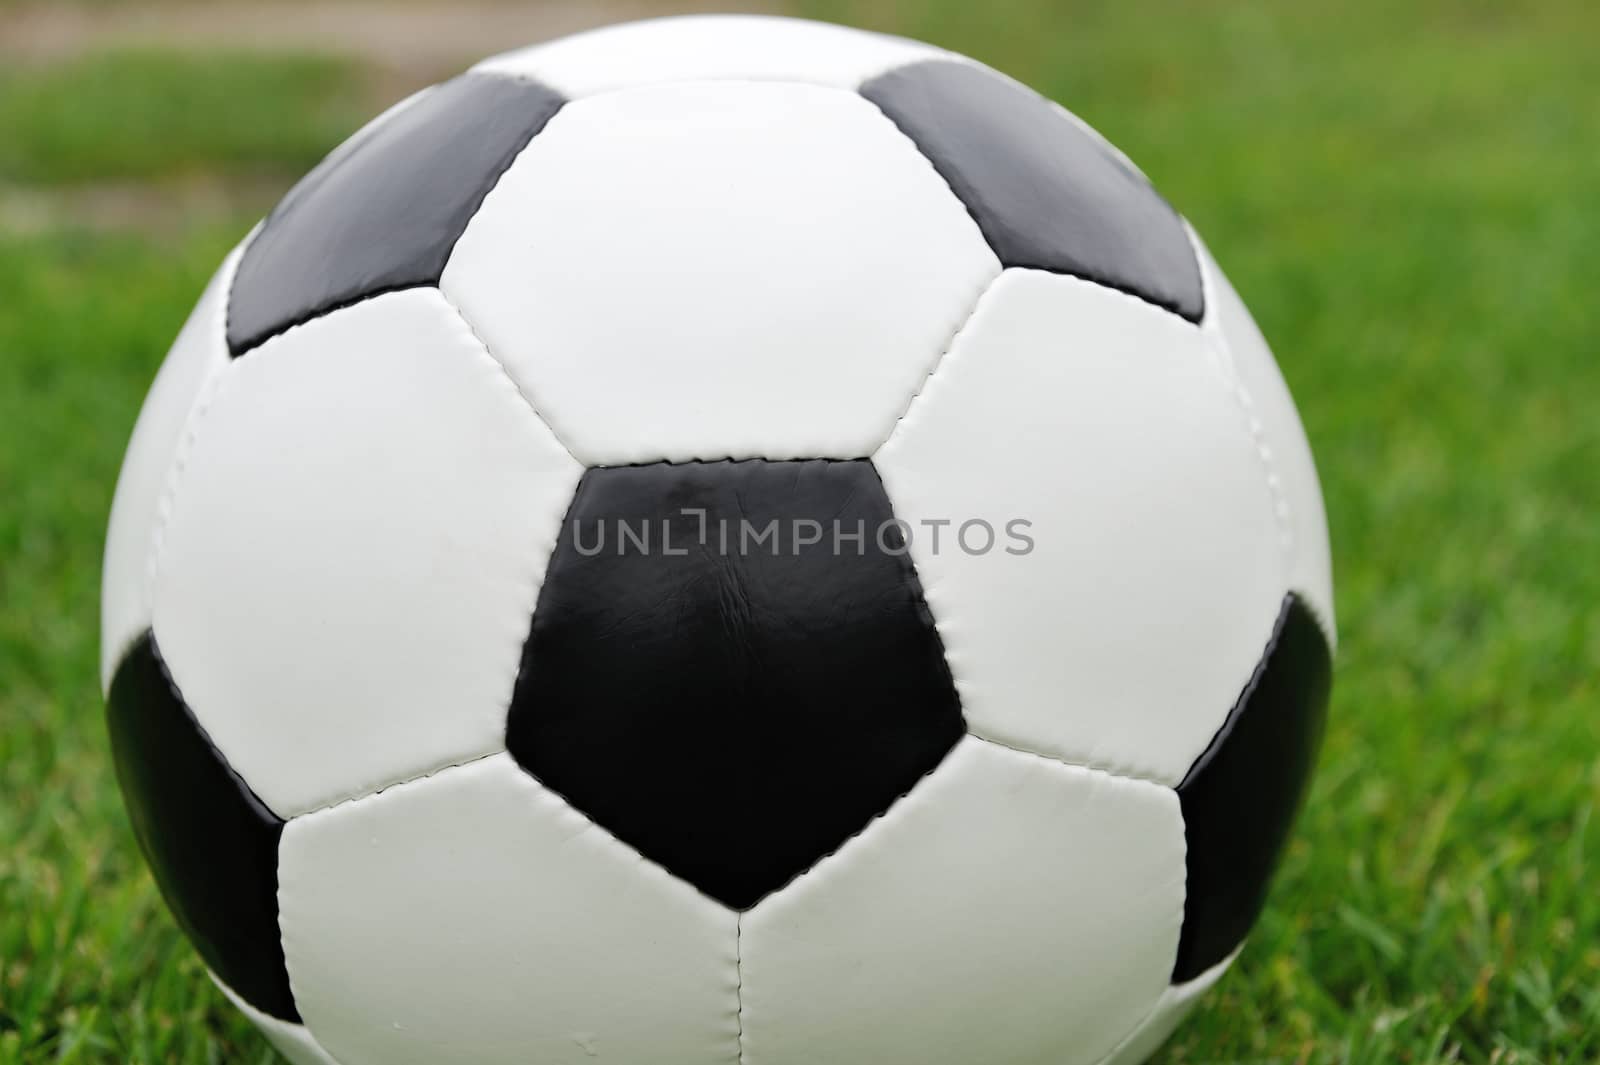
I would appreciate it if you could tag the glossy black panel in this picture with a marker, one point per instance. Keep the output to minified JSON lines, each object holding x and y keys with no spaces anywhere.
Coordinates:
{"x":1045,"y":193}
{"x":734,"y":708}
{"x":211,"y":844}
{"x":1240,"y":797}
{"x":383,"y":211}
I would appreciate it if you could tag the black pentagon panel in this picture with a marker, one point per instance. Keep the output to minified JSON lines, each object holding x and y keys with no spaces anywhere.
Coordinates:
{"x":384,"y":211}
{"x":1240,"y":797}
{"x":1045,"y":193}
{"x":211,"y":844}
{"x":748,"y":689}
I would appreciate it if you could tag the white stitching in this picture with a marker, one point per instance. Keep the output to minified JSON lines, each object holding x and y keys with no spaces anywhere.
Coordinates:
{"x":1115,"y":774}
{"x":207,"y":394}
{"x":738,"y":988}
{"x":938,"y":362}
{"x":977,"y":299}
{"x":1211,"y":331}
{"x":349,"y":797}
{"x":501,"y":366}
{"x":212,"y":388}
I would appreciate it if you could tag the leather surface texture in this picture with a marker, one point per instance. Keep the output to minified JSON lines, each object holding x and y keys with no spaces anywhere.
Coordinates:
{"x":776,"y":694}
{"x":1240,"y":797}
{"x":1010,"y":909}
{"x":384,"y":212}
{"x":719,"y":270}
{"x":210,"y":842}
{"x":358,"y":535}
{"x":473,"y":916}
{"x":1046,"y":193}
{"x":1124,"y":637}
{"x":433,"y":767}
{"x":196,"y":357}
{"x":1273,"y":411}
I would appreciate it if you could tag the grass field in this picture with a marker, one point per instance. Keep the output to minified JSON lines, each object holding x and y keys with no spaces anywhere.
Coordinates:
{"x":1405,"y":194}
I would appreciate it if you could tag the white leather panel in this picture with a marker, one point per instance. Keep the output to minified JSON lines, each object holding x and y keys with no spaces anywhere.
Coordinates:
{"x":290,"y":1040}
{"x":1300,"y":494}
{"x":475,"y":916}
{"x":356,"y":545}
{"x":1124,"y":636}
{"x":1175,"y":1004}
{"x":704,"y":47}
{"x":719,"y":269}
{"x":200,"y":351}
{"x":1009,"y":910}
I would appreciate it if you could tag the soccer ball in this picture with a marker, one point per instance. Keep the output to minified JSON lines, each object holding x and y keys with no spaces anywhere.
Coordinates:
{"x":718,"y":540}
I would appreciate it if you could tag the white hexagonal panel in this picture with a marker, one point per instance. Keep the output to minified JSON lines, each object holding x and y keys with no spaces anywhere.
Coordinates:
{"x":198,"y":354}
{"x":475,"y":916}
{"x":357,"y":540}
{"x":1124,"y":634}
{"x":1009,"y":909}
{"x":746,"y":48}
{"x":719,"y":269}
{"x":1264,"y":390}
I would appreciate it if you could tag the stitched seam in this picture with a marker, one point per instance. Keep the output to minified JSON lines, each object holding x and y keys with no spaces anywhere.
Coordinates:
{"x":925,"y":614}
{"x":738,"y":987}
{"x":977,"y":299}
{"x":251,"y":797}
{"x":1126,"y":288}
{"x":212,"y":389}
{"x":428,"y":279}
{"x":910,"y":142}
{"x":1225,"y":730}
{"x":1114,"y":774}
{"x":258,"y":807}
{"x":717,"y":460}
{"x":919,"y":594}
{"x":352,"y":797}
{"x":536,"y":593}
{"x":1257,"y":430}
{"x":527,"y":640}
{"x":501,"y":366}
{"x":938,"y":361}
{"x":253,"y":344}
{"x":1211,"y":330}
{"x":227,"y":295}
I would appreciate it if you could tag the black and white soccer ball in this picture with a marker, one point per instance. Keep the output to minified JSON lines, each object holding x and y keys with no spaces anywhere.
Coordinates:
{"x":718,"y":540}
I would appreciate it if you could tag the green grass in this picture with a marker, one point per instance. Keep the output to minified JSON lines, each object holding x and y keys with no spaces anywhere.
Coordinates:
{"x":157,"y":114}
{"x":91,"y":969}
{"x":1407,"y":200}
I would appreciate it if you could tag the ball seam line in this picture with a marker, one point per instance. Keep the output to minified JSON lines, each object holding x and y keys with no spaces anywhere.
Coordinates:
{"x":348,"y":797}
{"x":738,"y":986}
{"x":505,"y":372}
{"x":939,"y":360}
{"x":206,"y":396}
{"x":1106,"y":771}
{"x":1211,"y":330}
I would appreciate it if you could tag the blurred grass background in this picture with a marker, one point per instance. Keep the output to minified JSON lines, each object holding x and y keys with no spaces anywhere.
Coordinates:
{"x":1405,"y":195}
